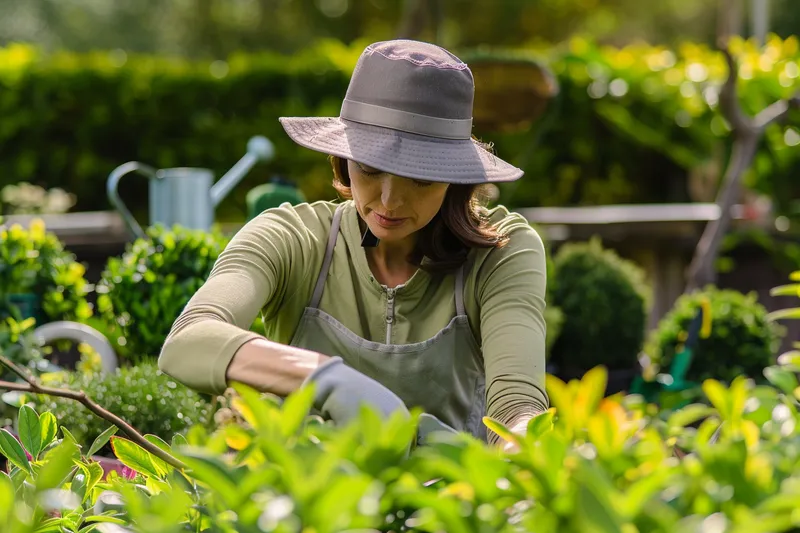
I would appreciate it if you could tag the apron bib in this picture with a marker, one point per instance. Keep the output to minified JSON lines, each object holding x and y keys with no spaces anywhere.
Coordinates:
{"x":443,"y":375}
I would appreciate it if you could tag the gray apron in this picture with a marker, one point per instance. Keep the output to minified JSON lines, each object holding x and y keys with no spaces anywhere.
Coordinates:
{"x":443,"y":375}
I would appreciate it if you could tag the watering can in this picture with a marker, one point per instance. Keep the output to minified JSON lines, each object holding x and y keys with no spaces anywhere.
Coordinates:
{"x":185,"y":196}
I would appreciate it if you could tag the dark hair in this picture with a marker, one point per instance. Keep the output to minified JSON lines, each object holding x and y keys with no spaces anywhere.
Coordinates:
{"x":460,"y":224}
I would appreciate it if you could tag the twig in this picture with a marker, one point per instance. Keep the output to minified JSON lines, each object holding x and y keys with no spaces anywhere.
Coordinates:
{"x":79,"y":396}
{"x":746,"y":134}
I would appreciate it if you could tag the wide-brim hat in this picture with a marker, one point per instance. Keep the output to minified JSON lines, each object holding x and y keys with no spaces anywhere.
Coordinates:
{"x":408,"y":112}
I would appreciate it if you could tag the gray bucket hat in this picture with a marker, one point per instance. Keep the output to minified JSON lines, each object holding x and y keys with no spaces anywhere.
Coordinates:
{"x":407,"y":111}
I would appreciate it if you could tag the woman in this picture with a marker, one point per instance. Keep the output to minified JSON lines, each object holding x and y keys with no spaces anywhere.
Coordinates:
{"x":406,"y":294}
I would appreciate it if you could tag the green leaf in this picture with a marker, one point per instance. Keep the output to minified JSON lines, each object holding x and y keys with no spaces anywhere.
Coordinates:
{"x":49,"y":425}
{"x":718,"y":396}
{"x":295,"y":409}
{"x":68,"y":435}
{"x":13,"y":450}
{"x":689,"y":415}
{"x":179,"y":440}
{"x":541,"y":424}
{"x":7,"y":498}
{"x":502,"y":431}
{"x":595,"y":513}
{"x":58,"y":465}
{"x":101,"y":440}
{"x":134,"y":456}
{"x":786,"y":290}
{"x":161,"y":465}
{"x":213,"y":472}
{"x":593,"y":387}
{"x":783,"y":379}
{"x":792,"y":313}
{"x":30,"y":430}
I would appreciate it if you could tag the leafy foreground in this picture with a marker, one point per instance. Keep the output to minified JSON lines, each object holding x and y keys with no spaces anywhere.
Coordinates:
{"x":590,"y":464}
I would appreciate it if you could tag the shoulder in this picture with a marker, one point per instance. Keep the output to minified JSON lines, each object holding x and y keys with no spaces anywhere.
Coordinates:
{"x":521,"y":235}
{"x":520,"y":261}
{"x":294,"y":225}
{"x":313,"y":217}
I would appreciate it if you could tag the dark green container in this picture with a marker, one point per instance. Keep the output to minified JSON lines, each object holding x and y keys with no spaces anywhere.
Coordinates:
{"x":272,"y":194}
{"x":24,"y":305}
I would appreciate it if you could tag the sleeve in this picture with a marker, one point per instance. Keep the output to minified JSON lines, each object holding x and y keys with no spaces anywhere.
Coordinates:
{"x":253,"y":271}
{"x":511,"y":296}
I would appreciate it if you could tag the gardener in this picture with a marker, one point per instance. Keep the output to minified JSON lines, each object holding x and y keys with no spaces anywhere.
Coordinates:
{"x":406,"y":294}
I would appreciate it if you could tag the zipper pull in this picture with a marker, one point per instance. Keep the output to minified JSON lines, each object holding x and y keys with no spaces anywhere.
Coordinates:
{"x":389,"y":314}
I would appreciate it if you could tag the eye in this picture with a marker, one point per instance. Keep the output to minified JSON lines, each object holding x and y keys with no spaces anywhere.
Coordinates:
{"x":370,"y":171}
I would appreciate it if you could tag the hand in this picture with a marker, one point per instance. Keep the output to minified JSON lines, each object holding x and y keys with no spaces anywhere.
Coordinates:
{"x":341,"y":391}
{"x":428,"y":425}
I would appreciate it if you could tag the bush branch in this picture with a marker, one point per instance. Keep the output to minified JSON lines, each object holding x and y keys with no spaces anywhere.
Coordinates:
{"x":32,"y":386}
{"x":746,"y":133}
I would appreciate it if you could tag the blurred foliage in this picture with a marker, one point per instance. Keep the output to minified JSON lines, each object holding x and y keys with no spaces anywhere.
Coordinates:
{"x":215,"y":28}
{"x":605,"y":301}
{"x":730,"y":462}
{"x":142,"y":292}
{"x":742,"y":339}
{"x":38,"y":278}
{"x":655,"y":109}
{"x":27,"y":199}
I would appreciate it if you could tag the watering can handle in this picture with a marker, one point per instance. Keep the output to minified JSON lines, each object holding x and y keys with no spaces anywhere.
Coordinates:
{"x":113,"y":193}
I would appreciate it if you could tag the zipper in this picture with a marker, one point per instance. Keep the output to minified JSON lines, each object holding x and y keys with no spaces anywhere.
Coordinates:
{"x":389,"y":313}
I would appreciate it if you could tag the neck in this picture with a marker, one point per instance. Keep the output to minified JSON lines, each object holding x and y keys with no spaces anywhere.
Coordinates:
{"x":389,"y":261}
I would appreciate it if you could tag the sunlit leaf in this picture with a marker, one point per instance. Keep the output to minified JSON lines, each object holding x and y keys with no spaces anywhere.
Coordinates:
{"x":101,"y":440}
{"x":134,"y":456}
{"x":30,"y":430}
{"x":59,"y":463}
{"x":12,"y":449}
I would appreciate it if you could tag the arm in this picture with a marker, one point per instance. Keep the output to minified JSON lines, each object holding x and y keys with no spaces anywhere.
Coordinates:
{"x":512,"y":301}
{"x":210,"y":345}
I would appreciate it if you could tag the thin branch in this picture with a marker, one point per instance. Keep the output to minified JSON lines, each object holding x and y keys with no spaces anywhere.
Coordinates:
{"x":79,"y":396}
{"x":776,"y":112}
{"x":729,"y":96}
{"x":746,"y":134}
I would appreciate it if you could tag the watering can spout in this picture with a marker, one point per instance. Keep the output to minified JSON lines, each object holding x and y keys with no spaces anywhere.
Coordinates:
{"x":259,"y":149}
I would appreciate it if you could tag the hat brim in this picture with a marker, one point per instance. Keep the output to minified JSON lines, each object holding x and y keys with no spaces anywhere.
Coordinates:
{"x":401,"y":153}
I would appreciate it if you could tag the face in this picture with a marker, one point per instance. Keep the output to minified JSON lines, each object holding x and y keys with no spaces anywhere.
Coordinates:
{"x":393,"y":207}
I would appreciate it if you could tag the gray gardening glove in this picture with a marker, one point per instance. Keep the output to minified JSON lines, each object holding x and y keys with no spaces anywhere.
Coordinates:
{"x":341,"y":390}
{"x":428,"y":425}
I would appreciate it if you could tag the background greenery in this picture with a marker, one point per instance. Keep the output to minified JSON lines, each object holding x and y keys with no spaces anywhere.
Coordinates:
{"x":655,"y":107}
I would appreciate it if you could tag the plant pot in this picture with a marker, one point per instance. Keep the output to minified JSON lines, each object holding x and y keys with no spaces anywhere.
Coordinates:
{"x":27,"y":305}
{"x":111,"y":464}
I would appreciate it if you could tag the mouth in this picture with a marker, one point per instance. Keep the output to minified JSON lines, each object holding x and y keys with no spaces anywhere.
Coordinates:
{"x":388,"y":222}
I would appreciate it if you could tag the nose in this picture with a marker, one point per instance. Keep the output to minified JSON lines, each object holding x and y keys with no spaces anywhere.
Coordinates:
{"x":392,"y":193}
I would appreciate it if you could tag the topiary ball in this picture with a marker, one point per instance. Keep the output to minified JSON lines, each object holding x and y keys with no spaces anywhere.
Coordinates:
{"x":742,"y":340}
{"x":142,"y":292}
{"x":604,"y":301}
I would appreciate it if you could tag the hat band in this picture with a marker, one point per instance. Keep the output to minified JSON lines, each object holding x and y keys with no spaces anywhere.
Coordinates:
{"x":374,"y":115}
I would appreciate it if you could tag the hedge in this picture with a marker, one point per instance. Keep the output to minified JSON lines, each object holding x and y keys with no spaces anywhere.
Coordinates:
{"x":630,"y":124}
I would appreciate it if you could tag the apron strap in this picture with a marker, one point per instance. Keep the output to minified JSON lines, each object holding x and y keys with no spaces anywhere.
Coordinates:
{"x":326,"y":263}
{"x":460,"y":311}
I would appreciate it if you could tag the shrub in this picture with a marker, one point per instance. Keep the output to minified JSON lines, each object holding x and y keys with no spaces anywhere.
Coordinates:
{"x":141,"y":395}
{"x":143,"y":291}
{"x":33,"y":262}
{"x":604,"y":302}
{"x":742,"y":340}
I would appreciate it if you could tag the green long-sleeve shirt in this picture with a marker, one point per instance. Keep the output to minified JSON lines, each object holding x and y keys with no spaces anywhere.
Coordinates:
{"x":271,"y":266}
